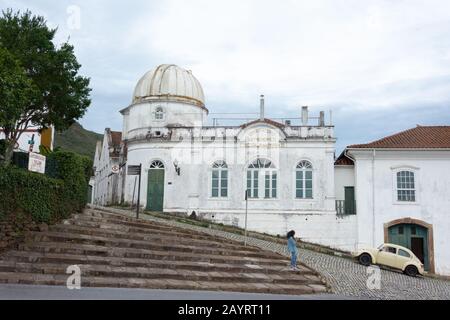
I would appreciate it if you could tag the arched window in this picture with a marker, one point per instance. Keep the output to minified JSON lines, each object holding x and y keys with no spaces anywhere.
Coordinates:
{"x":303,"y":180}
{"x":219,"y":177}
{"x":156,"y":164}
{"x":262,"y":173}
{"x":159,"y":113}
{"x":406,"y":188}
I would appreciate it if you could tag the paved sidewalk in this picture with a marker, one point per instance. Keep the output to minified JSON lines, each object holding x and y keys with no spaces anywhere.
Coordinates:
{"x":345,"y":277}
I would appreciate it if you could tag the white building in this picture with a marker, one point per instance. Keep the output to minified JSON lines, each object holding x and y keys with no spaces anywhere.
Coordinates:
{"x":288,"y":168}
{"x":402,"y":191}
{"x":105,"y":185}
{"x":32,"y":138}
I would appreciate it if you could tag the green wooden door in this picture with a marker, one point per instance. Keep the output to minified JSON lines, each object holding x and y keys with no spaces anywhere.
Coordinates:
{"x":155,"y":190}
{"x":349,"y":205}
{"x":413,"y":237}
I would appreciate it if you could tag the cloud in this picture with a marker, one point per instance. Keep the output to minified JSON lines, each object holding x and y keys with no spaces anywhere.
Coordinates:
{"x":353,"y":57}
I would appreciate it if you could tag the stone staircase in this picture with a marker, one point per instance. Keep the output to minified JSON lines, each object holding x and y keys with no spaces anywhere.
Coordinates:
{"x":113,"y":250}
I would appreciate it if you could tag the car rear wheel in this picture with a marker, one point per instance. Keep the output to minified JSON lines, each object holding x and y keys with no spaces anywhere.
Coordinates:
{"x":411,"y":271}
{"x":365,"y":259}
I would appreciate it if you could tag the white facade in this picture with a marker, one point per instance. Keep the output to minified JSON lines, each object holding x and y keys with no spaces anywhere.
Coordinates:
{"x":105,"y":186}
{"x":288,"y":168}
{"x":30,"y":139}
{"x":378,"y":205}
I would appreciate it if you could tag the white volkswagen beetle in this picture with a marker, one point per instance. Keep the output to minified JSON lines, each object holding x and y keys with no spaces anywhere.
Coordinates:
{"x":393,"y":256}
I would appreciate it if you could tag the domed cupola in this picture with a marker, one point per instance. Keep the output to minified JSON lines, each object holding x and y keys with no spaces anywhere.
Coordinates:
{"x":170,"y":83}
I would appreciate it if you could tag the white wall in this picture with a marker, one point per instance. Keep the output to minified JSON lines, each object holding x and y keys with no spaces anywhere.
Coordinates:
{"x":344,"y":176}
{"x":432,"y":191}
{"x":192,"y":189}
{"x":139,"y":118}
{"x":24,"y":138}
{"x":106,"y":188}
{"x":314,"y":227}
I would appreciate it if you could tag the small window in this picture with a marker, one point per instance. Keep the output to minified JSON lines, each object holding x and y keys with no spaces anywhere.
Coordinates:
{"x":406,"y":189}
{"x":403,"y":253}
{"x":413,"y":230}
{"x":159,"y":113}
{"x":400,"y":230}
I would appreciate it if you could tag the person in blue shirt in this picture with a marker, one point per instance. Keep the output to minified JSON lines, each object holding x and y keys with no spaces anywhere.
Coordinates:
{"x":292,"y":248}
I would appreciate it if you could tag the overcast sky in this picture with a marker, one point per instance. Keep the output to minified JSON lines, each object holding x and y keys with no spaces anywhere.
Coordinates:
{"x":379,"y":66}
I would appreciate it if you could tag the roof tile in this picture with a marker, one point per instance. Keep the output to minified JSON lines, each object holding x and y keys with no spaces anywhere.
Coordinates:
{"x":420,"y":137}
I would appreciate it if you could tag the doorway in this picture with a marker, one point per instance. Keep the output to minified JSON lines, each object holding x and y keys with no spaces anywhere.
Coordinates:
{"x":413,"y":237}
{"x":155,"y":187}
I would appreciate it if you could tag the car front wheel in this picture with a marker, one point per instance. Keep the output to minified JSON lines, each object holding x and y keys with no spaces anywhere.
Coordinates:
{"x":365,"y":259}
{"x":411,"y":271}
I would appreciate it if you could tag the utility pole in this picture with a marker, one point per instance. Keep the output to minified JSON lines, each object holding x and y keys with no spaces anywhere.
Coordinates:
{"x":139,"y":192}
{"x":136,"y":171}
{"x":246,"y":211}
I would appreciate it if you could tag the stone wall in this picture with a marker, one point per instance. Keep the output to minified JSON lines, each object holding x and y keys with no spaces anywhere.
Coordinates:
{"x":13,"y":227}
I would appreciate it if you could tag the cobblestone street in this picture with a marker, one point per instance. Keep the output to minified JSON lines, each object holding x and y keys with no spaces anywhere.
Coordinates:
{"x":345,"y":277}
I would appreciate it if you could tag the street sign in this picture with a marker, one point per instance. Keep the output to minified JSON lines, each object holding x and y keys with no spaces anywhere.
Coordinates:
{"x":36,"y":162}
{"x":134,"y":170}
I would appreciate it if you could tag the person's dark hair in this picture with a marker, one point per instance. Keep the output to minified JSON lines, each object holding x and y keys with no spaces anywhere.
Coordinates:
{"x":290,"y":234}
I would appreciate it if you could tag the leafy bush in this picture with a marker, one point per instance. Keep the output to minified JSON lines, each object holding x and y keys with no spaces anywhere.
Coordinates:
{"x":70,"y":167}
{"x":56,"y":195}
{"x":31,"y":193}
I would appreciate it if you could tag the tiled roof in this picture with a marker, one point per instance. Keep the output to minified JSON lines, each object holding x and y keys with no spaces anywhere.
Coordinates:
{"x":343,"y":160}
{"x":116,"y":137}
{"x":420,"y":137}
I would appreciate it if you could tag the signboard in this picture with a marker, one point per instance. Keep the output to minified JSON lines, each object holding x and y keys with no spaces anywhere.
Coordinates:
{"x":134,"y":170}
{"x":36,"y":162}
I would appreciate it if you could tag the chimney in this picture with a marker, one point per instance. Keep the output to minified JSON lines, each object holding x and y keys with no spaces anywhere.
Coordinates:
{"x":261,"y":108}
{"x":304,"y":115}
{"x":322,"y":119}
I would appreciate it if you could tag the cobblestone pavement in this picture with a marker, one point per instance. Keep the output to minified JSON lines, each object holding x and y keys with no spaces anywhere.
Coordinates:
{"x":346,"y":277}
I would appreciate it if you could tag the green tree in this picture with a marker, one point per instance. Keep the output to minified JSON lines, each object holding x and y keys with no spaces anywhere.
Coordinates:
{"x":40,"y":84}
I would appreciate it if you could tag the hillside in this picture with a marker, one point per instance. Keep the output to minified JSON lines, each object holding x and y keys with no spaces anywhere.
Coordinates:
{"x":78,"y":139}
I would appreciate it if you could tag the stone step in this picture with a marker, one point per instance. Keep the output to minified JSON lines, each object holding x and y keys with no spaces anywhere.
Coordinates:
{"x":61,"y":280}
{"x":152,"y":237}
{"x":124,"y":243}
{"x":69,"y":259}
{"x":157,"y":229}
{"x":119,"y":218}
{"x":109,"y":271}
{"x":102,"y":251}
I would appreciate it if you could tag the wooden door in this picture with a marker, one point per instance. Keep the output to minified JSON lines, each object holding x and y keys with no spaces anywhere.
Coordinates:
{"x":155,"y":190}
{"x":417,"y":247}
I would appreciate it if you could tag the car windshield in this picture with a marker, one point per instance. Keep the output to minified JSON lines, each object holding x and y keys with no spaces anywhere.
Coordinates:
{"x":380,"y":246}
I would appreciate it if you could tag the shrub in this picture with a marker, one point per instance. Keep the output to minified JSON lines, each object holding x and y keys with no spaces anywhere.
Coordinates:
{"x":31,"y":193}
{"x":47,"y":198}
{"x":70,"y":167}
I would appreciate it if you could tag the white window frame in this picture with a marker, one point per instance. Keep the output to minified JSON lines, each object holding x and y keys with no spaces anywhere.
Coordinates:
{"x":262,"y":167}
{"x":395,"y":189}
{"x":219,"y":166}
{"x":159,"y":111}
{"x":304,"y":170}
